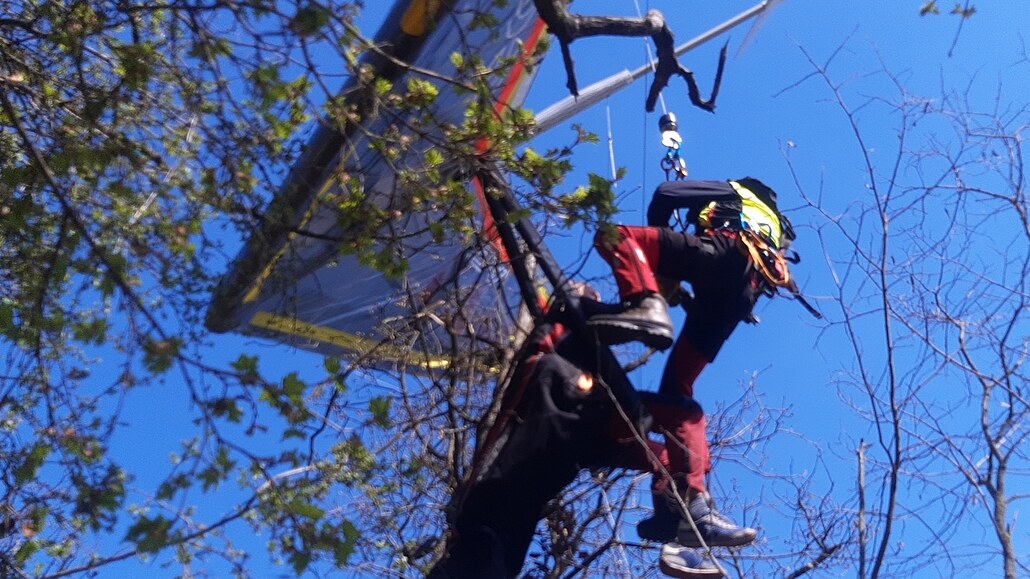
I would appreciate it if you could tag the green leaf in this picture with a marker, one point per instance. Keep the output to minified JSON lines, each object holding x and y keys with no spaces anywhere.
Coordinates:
{"x":299,"y":506}
{"x":438,"y":231}
{"x":27,"y":470}
{"x":294,"y":388}
{"x":150,"y":535}
{"x":246,"y":365}
{"x":171,"y":486}
{"x":300,"y":561}
{"x":963,"y":12}
{"x":383,"y":86}
{"x":433,"y":158}
{"x":135,"y":63}
{"x":158,"y":355}
{"x":90,"y":331}
{"x":210,"y":476}
{"x":226,"y":407}
{"x":333,"y":365}
{"x":345,"y":548}
{"x":27,"y":550}
{"x":421,"y":93}
{"x":379,"y":407}
{"x":7,"y":326}
{"x":309,"y":20}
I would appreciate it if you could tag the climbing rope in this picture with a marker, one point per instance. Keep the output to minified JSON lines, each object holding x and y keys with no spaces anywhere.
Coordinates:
{"x":769,"y":261}
{"x":771,"y":265}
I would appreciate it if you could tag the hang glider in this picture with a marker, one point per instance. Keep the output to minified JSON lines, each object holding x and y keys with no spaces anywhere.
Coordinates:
{"x":291,"y":283}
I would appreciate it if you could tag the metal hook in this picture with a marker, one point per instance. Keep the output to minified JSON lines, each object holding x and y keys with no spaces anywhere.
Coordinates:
{"x":671,"y":139}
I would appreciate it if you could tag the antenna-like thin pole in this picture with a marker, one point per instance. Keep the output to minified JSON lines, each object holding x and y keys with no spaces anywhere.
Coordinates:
{"x":611,"y":146}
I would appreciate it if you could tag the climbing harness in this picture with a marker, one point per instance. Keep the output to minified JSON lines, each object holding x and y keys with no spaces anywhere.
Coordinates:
{"x":672,"y":162}
{"x":771,"y":265}
{"x":770,"y":260}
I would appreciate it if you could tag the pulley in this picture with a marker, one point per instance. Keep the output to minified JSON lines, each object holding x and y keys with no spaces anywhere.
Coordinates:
{"x":672,"y":162}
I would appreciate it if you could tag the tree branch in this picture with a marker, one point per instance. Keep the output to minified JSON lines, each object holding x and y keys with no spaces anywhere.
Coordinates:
{"x":568,"y":27}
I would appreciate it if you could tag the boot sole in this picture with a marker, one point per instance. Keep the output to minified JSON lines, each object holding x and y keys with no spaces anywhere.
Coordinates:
{"x":615,"y":332}
{"x":673,"y":569}
{"x":692,"y":541}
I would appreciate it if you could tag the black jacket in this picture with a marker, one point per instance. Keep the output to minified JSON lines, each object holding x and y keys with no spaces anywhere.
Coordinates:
{"x":695,"y":196}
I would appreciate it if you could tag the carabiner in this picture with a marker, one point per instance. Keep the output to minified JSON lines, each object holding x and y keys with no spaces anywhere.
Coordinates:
{"x":671,"y":139}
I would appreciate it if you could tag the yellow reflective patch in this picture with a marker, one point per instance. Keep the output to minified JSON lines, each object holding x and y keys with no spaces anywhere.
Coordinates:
{"x":418,"y":16}
{"x":704,"y":218}
{"x":756,"y":215}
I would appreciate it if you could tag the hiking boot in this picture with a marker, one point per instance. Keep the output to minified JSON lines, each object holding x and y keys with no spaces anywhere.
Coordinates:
{"x":658,"y":529}
{"x":686,"y":563}
{"x":715,"y":529}
{"x":662,"y":526}
{"x":644,"y":320}
{"x":592,"y":307}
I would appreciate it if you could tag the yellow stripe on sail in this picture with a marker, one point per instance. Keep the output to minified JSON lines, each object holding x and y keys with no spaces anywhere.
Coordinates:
{"x":259,"y":282}
{"x":346,"y":340}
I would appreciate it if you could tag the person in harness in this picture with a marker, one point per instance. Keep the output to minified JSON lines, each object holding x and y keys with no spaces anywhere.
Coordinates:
{"x":734,"y":252}
{"x":557,"y":419}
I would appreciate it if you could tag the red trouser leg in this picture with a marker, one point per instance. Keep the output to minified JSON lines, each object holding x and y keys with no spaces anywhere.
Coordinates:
{"x":633,"y":258}
{"x":684,"y":455}
{"x":686,"y":445}
{"x":684,"y":365}
{"x":681,"y":371}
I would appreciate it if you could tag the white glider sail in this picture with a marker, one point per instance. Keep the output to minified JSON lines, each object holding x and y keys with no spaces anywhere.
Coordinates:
{"x":291,"y":283}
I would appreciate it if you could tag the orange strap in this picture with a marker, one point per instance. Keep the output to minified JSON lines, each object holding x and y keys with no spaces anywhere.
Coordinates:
{"x":768,"y":261}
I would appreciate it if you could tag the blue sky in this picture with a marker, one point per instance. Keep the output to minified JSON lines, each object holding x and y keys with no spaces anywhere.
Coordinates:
{"x":771,"y":107}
